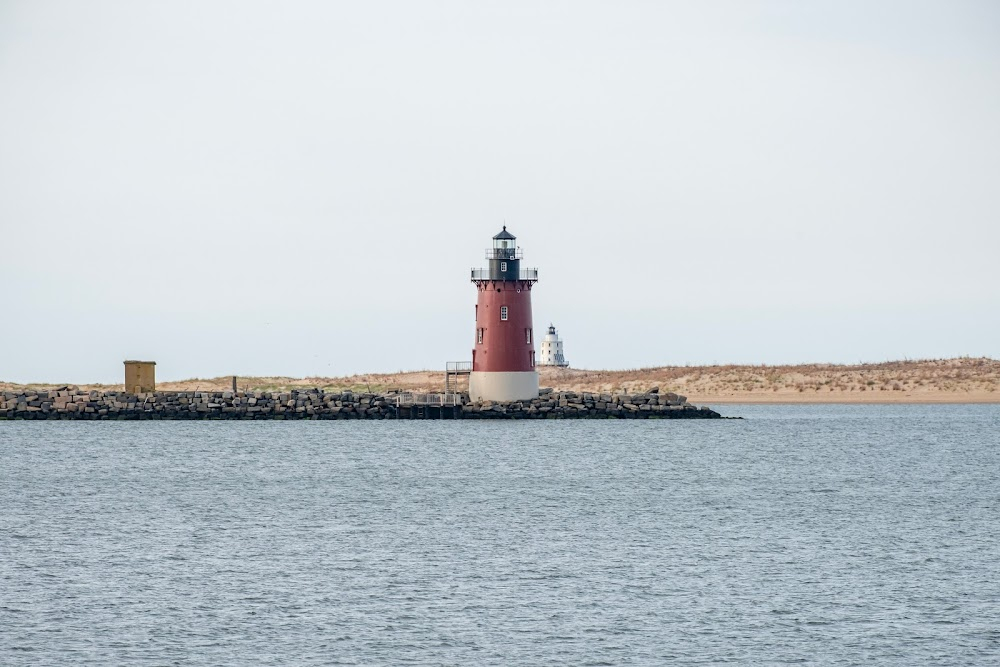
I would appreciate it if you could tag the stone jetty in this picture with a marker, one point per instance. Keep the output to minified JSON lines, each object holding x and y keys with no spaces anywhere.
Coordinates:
{"x":584,"y":405}
{"x":73,"y":403}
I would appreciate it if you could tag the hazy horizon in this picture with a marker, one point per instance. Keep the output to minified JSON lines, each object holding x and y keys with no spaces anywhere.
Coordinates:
{"x":242,"y":188}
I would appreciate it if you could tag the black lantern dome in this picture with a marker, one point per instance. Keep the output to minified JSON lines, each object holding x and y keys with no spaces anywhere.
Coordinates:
{"x":505,"y":262}
{"x":504,"y":256}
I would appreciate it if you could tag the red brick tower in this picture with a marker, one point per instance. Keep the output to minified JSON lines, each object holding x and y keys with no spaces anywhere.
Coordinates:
{"x":503,"y":360}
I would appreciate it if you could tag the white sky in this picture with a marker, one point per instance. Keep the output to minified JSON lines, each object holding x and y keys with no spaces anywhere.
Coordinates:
{"x":301,"y":188}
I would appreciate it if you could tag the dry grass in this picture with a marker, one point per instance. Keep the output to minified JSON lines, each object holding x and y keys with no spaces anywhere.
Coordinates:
{"x":962,"y":380}
{"x":376,"y":382}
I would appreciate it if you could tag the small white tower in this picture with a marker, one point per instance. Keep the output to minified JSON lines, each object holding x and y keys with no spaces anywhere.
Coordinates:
{"x":552,"y":350}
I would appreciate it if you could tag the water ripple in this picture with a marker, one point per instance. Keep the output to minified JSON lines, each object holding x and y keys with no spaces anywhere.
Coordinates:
{"x":806,"y":534}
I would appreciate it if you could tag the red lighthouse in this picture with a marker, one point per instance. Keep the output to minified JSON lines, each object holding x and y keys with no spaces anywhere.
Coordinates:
{"x":503,"y":360}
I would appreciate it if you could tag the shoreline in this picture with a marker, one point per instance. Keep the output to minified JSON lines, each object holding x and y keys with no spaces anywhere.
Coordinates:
{"x":962,"y":380}
{"x":750,"y":399}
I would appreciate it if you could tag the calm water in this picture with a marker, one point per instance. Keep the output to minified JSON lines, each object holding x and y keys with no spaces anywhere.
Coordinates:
{"x":821,"y":534}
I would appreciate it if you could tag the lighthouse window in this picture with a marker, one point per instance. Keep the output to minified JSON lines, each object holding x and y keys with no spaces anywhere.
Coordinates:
{"x":479,"y":337}
{"x":503,"y":266}
{"x":527,"y":333}
{"x":503,"y":312}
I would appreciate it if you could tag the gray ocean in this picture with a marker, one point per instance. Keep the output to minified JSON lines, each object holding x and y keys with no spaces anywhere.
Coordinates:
{"x":802,"y":534}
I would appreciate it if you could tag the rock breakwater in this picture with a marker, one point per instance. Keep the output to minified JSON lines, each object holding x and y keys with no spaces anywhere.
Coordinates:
{"x":585,"y":405}
{"x":72,"y":403}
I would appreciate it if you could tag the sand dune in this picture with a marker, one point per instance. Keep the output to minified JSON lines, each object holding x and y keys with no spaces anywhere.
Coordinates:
{"x":963,"y":380}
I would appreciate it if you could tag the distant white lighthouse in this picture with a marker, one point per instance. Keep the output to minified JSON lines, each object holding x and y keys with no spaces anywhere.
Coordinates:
{"x":552,"y":350}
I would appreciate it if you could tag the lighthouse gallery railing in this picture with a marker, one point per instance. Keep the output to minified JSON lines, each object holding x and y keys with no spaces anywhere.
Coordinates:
{"x":504,"y":253}
{"x":524,"y":274}
{"x":406,"y":399}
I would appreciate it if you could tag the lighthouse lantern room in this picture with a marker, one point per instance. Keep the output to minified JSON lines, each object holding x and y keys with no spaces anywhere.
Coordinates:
{"x":503,"y":359}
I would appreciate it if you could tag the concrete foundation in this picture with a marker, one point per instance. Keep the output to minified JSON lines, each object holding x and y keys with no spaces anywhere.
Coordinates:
{"x":500,"y":386}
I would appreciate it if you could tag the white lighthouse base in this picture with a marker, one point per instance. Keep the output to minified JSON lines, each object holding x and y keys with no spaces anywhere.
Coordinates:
{"x":497,"y":386}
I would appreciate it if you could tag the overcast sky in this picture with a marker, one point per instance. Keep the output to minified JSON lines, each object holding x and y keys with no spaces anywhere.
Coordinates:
{"x":301,"y":188}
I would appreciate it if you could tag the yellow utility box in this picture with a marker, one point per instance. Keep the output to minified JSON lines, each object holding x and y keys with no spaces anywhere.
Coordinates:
{"x":140,"y":377}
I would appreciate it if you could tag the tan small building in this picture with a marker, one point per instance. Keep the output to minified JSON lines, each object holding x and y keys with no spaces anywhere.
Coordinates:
{"x":140,"y":376}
